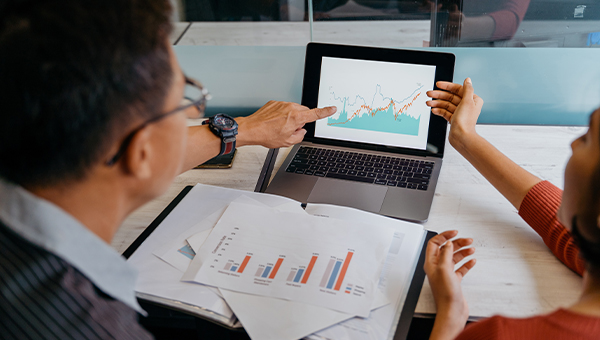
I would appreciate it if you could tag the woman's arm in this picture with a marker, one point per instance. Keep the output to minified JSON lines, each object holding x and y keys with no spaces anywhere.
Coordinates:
{"x":539,"y":209}
{"x":460,"y":106}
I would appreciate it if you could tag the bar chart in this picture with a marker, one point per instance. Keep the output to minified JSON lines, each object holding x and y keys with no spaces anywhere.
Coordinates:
{"x":335,"y":266}
{"x":236,"y":267}
{"x":269,"y":270}
{"x":336,"y":269}
{"x":302,"y":274}
{"x":268,"y":258}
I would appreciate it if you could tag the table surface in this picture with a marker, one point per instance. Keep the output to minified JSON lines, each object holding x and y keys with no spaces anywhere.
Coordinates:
{"x":382,"y":33}
{"x":395,"y":33}
{"x":516,"y":275}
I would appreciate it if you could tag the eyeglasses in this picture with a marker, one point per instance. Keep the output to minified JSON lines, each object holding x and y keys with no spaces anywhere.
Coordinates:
{"x":193,"y":104}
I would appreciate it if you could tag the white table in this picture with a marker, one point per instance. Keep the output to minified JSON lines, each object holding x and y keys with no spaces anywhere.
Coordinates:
{"x":179,"y":28}
{"x":393,"y":33}
{"x":516,"y":275}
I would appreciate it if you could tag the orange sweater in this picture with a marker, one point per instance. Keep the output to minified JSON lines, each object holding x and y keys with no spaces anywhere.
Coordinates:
{"x":539,"y":209}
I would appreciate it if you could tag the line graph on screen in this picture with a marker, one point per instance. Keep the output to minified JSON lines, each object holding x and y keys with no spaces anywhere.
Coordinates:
{"x":382,"y":113}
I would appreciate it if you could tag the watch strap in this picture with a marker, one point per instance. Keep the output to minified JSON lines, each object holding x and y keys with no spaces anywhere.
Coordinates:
{"x":227,"y":147}
{"x":227,"y":143}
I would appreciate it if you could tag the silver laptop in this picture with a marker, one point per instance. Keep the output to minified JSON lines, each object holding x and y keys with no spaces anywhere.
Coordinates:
{"x":382,"y":150}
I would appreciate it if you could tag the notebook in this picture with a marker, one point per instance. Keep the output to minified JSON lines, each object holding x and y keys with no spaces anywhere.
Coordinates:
{"x":382,"y":150}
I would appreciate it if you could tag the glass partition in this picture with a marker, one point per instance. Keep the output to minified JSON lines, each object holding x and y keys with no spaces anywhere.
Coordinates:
{"x":545,"y":71}
{"x":517,"y":23}
{"x":392,"y":23}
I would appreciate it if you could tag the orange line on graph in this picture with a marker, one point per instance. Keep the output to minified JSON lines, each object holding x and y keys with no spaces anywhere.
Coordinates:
{"x":373,"y":112}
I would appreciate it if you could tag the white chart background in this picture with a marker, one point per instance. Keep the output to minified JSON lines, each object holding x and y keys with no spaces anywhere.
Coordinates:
{"x":249,"y":225}
{"x":348,"y":78}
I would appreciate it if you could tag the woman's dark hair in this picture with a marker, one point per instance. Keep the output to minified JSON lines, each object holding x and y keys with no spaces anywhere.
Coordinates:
{"x":584,"y":226}
{"x":589,"y":250}
{"x":73,"y":75}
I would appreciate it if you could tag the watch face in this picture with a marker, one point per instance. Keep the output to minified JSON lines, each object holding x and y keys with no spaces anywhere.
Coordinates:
{"x":223,"y":122}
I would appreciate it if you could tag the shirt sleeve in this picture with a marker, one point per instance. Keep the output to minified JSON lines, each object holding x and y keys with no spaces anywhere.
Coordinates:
{"x":488,"y":329}
{"x":508,"y":18}
{"x":539,"y":209}
{"x":492,"y":328}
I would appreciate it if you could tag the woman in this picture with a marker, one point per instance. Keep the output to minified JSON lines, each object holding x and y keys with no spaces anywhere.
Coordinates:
{"x":569,"y":226}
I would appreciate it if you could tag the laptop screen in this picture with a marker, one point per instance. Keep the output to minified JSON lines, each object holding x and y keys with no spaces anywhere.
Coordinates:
{"x":377,"y":102}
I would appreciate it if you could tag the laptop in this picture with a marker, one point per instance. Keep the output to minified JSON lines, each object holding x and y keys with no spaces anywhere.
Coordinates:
{"x":382,"y":150}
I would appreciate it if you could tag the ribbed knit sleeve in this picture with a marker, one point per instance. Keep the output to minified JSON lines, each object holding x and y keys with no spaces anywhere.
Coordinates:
{"x":561,"y":324}
{"x":487,"y":329}
{"x":539,"y":209}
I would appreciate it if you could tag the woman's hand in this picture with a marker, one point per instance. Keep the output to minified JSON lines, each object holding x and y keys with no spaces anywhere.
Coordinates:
{"x":442,"y":255}
{"x":460,"y":106}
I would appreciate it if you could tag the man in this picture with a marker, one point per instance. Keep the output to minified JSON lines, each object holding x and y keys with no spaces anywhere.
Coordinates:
{"x":93,"y":126}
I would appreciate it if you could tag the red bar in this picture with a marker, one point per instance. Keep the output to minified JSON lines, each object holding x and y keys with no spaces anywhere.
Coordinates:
{"x":309,"y":269}
{"x":276,"y":268}
{"x":338,"y":284}
{"x":244,"y":263}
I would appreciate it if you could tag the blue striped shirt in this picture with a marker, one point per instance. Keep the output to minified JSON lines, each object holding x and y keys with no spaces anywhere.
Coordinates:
{"x":58,"y":280}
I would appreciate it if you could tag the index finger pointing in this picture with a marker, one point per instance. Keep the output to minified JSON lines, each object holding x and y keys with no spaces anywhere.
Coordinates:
{"x":316,"y":114}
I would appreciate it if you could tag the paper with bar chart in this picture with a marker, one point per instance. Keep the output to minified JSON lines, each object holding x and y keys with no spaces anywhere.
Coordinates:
{"x":326,"y":262}
{"x":377,"y":102}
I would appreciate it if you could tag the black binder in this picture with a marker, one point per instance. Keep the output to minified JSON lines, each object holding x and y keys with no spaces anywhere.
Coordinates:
{"x":405,"y":316}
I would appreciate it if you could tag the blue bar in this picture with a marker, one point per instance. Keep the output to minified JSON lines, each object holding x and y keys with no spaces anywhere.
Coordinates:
{"x":234,"y":268}
{"x":336,"y":269}
{"x":266,"y":272}
{"x":298,"y":275}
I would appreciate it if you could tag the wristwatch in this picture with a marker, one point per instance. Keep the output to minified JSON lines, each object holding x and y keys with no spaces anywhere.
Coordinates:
{"x":225,"y":128}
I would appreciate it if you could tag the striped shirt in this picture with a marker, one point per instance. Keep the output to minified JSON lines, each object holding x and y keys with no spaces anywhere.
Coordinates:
{"x":57,"y":279}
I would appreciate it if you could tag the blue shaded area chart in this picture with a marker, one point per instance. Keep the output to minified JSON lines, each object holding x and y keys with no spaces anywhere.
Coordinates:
{"x":187,"y":251}
{"x":389,"y":116}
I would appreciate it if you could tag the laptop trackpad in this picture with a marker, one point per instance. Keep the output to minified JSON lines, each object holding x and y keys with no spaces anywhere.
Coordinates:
{"x":358,"y":195}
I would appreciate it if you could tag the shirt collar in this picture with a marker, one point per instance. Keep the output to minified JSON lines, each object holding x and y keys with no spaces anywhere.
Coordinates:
{"x":51,"y":228}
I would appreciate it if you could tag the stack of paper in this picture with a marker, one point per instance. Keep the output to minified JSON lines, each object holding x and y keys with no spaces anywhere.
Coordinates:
{"x":286,"y":273}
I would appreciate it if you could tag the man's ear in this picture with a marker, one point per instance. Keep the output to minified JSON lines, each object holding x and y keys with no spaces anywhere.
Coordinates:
{"x":137,"y":156}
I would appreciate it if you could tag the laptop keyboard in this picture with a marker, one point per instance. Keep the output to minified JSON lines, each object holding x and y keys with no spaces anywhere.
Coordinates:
{"x":354,"y":166}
